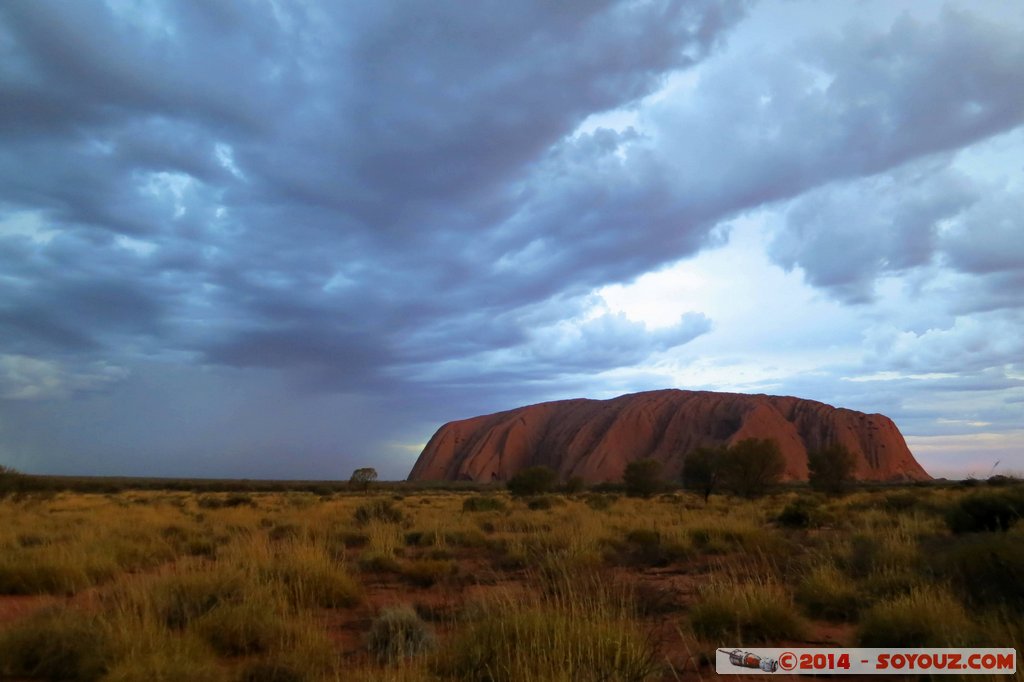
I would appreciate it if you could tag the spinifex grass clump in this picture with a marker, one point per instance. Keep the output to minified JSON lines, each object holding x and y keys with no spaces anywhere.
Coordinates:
{"x":926,"y":617}
{"x":166,"y":659}
{"x":307,"y":577}
{"x":250,"y":627}
{"x":58,"y":644}
{"x":513,"y":641}
{"x":383,"y":511}
{"x":178,"y":600}
{"x":398,"y":632}
{"x":745,"y":611}
{"x":826,"y":593}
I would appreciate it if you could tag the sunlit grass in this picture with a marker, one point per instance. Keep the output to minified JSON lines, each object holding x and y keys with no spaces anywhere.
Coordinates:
{"x":253,"y":586}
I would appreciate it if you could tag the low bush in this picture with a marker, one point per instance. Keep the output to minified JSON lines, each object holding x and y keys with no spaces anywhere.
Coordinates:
{"x":986,"y":511}
{"x":397,"y":633}
{"x":797,"y":514}
{"x":986,"y":569}
{"x":642,"y":478}
{"x":535,"y":480}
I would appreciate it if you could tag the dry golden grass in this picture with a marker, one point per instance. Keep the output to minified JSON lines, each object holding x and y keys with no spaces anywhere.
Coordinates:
{"x":294,"y":586}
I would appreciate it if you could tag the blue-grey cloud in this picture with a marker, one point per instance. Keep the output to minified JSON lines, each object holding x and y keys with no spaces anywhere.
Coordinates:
{"x":396,"y":204}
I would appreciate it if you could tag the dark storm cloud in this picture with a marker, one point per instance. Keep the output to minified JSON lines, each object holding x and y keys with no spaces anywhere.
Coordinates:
{"x":312,"y":187}
{"x":378,"y":196}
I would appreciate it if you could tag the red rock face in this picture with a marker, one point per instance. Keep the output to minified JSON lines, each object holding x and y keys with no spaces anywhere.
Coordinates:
{"x":596,"y":439}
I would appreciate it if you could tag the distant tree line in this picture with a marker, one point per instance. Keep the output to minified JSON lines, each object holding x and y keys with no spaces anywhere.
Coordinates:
{"x":748,"y":468}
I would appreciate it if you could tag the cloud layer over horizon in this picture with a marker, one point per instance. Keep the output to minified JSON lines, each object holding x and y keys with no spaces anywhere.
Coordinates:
{"x":287,"y":239}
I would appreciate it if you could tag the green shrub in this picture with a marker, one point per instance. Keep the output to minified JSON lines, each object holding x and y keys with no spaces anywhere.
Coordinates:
{"x":987,"y":569}
{"x":986,"y":511}
{"x":797,"y":514}
{"x":534,"y":480}
{"x":363,"y":478}
{"x":702,"y":470}
{"x":752,"y":466}
{"x":481,"y":503}
{"x":642,"y":478}
{"x":831,"y":469}
{"x":59,"y":644}
{"x":398,"y":632}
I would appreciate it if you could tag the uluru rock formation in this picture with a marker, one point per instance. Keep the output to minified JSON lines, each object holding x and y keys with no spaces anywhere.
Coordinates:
{"x":596,"y":439}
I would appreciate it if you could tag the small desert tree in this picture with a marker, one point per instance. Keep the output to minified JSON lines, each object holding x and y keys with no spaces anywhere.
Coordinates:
{"x":702,"y":470}
{"x":532,"y":481}
{"x":9,"y":479}
{"x":752,"y":466}
{"x":830,"y":469}
{"x":642,"y":477}
{"x":574,"y":485}
{"x":363,"y":478}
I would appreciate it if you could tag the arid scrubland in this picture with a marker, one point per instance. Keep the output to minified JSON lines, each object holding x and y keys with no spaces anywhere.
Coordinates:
{"x":427,"y":585}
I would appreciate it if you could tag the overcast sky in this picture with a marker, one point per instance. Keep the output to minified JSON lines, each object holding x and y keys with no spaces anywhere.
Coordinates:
{"x":287,"y":239}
